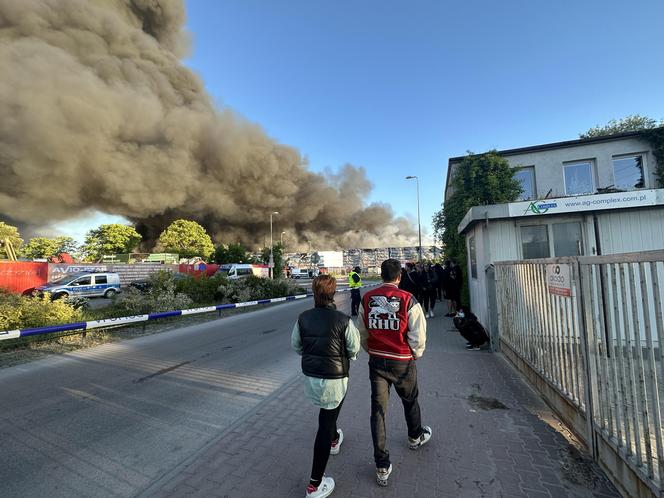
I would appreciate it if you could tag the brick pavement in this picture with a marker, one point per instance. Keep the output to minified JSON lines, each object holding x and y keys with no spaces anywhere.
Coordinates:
{"x":490,"y":439}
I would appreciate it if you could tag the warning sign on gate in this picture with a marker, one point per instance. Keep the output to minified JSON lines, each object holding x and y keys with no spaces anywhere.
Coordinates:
{"x":558,"y":279}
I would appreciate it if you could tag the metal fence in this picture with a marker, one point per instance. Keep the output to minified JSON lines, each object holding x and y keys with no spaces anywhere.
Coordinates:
{"x":598,"y":348}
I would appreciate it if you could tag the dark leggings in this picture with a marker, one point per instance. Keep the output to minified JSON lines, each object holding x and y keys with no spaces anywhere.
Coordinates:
{"x":327,"y":432}
{"x":429,"y":298}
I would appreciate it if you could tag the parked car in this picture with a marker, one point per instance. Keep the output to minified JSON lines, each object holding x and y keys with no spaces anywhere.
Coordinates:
{"x":83,"y":285}
{"x":298,"y":273}
{"x":236,"y":271}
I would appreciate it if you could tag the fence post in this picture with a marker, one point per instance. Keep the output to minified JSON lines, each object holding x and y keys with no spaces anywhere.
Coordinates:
{"x":590,"y":388}
{"x":491,"y":277}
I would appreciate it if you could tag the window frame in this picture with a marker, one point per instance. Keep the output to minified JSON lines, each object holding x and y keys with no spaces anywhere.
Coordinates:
{"x":77,"y":282}
{"x":472,"y":256}
{"x":533,"y":182}
{"x":643,"y":156}
{"x":549,"y":230}
{"x":532,"y":224}
{"x":593,"y":175}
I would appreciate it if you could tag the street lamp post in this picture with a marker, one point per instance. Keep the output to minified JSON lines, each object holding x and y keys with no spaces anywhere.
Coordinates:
{"x":419,"y":226}
{"x":271,"y":265}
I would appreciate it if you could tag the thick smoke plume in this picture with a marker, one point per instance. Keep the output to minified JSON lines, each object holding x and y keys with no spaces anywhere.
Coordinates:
{"x":98,"y":113}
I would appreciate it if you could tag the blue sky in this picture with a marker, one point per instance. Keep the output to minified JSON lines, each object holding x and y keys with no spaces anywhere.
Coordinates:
{"x":399,"y":87}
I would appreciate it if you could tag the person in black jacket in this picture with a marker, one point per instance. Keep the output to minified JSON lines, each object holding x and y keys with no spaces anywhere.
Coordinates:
{"x":454,"y":286}
{"x":327,"y":339}
{"x":440,"y":273}
{"x":409,"y":279}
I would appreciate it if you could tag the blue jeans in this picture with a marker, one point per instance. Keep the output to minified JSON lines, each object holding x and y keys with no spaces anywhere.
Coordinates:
{"x":384,"y":373}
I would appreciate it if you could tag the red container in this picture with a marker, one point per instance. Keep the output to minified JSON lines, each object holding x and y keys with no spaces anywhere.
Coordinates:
{"x":20,"y":276}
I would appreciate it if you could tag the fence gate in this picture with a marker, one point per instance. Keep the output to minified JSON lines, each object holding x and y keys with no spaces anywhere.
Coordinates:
{"x":586,"y":331}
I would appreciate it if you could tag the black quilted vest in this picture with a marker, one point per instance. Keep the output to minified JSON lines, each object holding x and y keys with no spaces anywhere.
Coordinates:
{"x":323,"y":336}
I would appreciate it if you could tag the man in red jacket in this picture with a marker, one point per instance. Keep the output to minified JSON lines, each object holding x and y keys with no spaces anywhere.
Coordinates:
{"x":393,"y":331}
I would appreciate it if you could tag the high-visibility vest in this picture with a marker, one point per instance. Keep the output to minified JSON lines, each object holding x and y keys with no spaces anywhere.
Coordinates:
{"x":351,"y":283}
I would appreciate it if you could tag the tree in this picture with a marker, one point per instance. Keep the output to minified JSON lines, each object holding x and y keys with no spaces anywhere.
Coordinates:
{"x":232,"y":253}
{"x":42,"y":247}
{"x":110,"y":239}
{"x":635,"y":122}
{"x":479,"y":179}
{"x":278,"y":254}
{"x":10,"y":233}
{"x":186,"y":238}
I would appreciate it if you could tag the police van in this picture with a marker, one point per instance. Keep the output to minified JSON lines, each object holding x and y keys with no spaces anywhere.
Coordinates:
{"x":84,"y":285}
{"x":236,"y":271}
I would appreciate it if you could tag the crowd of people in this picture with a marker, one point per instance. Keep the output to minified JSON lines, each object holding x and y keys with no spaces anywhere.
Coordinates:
{"x":434,"y":282}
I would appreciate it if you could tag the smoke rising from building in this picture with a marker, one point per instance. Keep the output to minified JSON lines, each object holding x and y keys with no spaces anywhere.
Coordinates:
{"x":98,"y":113}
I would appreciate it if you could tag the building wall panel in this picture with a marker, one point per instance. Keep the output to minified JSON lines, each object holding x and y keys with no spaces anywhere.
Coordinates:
{"x":631,"y":230}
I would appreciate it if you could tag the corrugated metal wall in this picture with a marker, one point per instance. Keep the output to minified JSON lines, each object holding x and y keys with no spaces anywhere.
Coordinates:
{"x":631,"y":230}
{"x":21,"y":276}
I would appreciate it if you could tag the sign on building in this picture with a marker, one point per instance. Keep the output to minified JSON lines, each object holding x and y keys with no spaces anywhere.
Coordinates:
{"x":619,"y":200}
{"x":559,"y":279}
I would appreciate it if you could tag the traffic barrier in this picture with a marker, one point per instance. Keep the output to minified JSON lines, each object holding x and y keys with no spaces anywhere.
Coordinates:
{"x":113,"y":322}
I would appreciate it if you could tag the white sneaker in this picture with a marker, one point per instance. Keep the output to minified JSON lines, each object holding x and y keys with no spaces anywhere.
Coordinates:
{"x":324,"y":489}
{"x":336,"y":447}
{"x":382,"y":475}
{"x":413,"y":444}
{"x":431,"y":312}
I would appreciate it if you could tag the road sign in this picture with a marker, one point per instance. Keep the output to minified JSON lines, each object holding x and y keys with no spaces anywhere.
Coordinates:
{"x":559,"y":279}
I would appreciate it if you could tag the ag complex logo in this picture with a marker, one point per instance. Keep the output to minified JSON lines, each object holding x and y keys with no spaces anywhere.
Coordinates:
{"x":540,"y":208}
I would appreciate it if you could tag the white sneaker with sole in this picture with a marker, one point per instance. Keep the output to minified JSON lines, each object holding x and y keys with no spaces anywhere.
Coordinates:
{"x":413,"y":444}
{"x":432,"y":315}
{"x":382,"y":475}
{"x":336,"y":447}
{"x":324,"y":489}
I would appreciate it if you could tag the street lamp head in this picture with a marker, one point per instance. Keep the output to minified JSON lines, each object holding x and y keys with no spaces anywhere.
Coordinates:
{"x":410,"y":177}
{"x":275,"y":212}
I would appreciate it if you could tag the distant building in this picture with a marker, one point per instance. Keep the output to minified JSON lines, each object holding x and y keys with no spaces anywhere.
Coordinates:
{"x":372,"y":258}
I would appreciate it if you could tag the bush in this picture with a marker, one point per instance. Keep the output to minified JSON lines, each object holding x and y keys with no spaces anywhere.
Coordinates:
{"x":161,"y":296}
{"x":202,"y":289}
{"x":253,"y":288}
{"x":20,"y":312}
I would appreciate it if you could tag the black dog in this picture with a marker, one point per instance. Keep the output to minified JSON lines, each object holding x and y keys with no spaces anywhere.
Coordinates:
{"x":471,"y":329}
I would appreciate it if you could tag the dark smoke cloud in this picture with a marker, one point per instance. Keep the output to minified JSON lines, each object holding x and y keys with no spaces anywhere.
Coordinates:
{"x":98,"y":113}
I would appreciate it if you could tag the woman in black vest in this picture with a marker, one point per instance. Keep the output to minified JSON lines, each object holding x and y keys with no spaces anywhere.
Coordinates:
{"x":327,"y":339}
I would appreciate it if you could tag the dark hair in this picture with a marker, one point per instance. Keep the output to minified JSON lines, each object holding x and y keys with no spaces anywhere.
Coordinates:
{"x":390,"y":269}
{"x":357,"y":269}
{"x":324,"y":287}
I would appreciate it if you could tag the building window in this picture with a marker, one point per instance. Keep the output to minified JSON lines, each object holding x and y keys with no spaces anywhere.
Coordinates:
{"x":473,"y":257}
{"x":567,"y":239}
{"x":579,"y":178}
{"x":628,"y":172}
{"x":535,"y":241}
{"x":526,"y":177}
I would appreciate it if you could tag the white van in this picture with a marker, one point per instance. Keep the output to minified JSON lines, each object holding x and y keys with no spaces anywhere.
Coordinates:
{"x":234,"y":271}
{"x":84,"y":285}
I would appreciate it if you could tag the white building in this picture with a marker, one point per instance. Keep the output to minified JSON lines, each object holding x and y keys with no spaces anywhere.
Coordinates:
{"x":581,"y":197}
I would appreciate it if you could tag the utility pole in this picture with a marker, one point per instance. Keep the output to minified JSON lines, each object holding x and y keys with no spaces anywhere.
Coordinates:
{"x":271,"y":265}
{"x":419,"y":226}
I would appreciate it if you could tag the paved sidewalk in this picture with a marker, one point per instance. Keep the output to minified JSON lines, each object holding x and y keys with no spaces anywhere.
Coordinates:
{"x":490,"y":439}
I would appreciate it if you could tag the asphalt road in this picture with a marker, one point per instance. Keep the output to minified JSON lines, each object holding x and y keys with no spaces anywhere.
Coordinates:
{"x":113,"y":420}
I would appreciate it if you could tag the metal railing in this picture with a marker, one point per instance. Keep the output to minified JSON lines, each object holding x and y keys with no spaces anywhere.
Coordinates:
{"x":599,"y":348}
{"x":126,"y":320}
